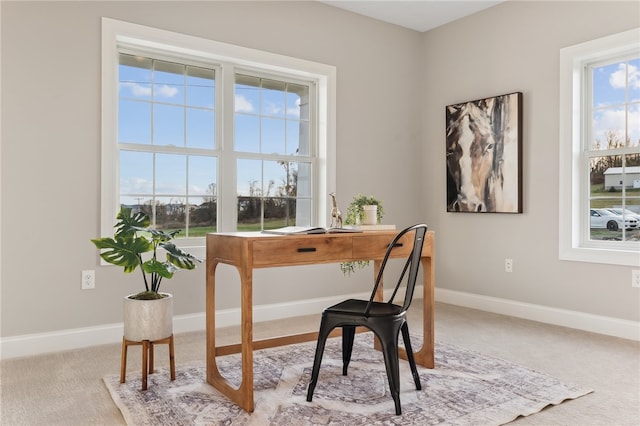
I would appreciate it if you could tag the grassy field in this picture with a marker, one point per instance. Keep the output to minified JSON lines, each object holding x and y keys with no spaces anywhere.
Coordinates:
{"x":601,"y":198}
{"x":242,"y":227}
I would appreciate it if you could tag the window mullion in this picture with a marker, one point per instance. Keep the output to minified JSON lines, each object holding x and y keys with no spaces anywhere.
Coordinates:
{"x":227,"y":197}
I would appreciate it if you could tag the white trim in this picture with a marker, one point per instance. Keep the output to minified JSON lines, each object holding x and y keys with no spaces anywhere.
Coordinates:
{"x":62,"y":340}
{"x":41,"y":343}
{"x":561,"y":317}
{"x":119,"y":33}
{"x":572,"y":206}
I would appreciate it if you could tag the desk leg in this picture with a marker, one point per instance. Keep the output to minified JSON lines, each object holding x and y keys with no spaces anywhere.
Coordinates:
{"x":425,"y":355}
{"x":243,"y":395}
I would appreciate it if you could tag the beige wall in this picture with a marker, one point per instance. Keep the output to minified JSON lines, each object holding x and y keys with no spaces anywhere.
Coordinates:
{"x":393,"y":84}
{"x":515,"y":47}
{"x":51,"y":145}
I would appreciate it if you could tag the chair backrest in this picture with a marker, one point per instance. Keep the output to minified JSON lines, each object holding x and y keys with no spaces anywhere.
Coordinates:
{"x":412,"y":264}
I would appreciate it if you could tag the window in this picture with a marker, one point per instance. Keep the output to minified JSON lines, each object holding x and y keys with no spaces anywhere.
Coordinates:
{"x":205,"y":136}
{"x":600,"y":150}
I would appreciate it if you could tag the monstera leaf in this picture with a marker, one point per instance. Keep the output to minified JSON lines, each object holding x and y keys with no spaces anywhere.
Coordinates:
{"x":123,"y":252}
{"x":165,"y":270}
{"x":179,"y":258}
{"x":128,"y":224}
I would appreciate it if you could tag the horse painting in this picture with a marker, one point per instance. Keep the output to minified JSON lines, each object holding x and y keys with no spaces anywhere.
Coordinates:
{"x":484,"y":155}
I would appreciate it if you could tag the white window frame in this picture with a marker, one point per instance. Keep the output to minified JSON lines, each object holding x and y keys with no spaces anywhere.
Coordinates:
{"x":116,"y":34}
{"x":574,"y":219}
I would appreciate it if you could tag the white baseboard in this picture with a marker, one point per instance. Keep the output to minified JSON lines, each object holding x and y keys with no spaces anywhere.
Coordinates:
{"x":62,"y":340}
{"x":40,"y":343}
{"x":573,"y":319}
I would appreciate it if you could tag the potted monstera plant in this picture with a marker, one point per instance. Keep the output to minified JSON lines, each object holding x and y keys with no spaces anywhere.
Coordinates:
{"x":360,"y":207}
{"x":148,"y":315}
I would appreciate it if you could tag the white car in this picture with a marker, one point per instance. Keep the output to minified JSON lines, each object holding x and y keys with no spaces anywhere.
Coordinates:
{"x":604,"y":218}
{"x":626,"y":213}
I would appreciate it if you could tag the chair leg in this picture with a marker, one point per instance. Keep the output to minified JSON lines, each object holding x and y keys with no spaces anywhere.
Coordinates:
{"x":348,"y":334}
{"x":410,"y":357}
{"x":390,"y":353}
{"x":123,"y":361}
{"x":317,"y":360}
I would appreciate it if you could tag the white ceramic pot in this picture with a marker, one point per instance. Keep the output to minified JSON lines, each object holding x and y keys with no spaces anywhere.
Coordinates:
{"x":370,"y":215}
{"x":148,"y":319}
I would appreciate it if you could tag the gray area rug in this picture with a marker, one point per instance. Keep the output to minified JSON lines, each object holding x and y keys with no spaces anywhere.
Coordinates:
{"x":465,"y":388}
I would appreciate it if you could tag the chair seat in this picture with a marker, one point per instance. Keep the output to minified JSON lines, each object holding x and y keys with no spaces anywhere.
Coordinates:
{"x":357,"y":307}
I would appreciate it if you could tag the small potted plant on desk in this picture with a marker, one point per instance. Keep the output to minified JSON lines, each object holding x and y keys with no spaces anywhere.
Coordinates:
{"x":148,"y":315}
{"x":361,"y":212}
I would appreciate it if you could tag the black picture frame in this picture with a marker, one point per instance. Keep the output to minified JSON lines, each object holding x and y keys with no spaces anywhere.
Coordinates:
{"x":484,"y":155}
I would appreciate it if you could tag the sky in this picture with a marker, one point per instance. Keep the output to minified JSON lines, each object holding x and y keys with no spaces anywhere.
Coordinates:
{"x":267,"y":120}
{"x":609,"y":84}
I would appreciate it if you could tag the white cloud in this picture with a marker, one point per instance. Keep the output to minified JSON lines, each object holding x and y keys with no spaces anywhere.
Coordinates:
{"x":242,"y":104}
{"x":136,"y":89}
{"x":617,"y":79}
{"x":613,"y":120}
{"x":141,"y":91}
{"x":136,"y":185}
{"x":166,"y":91}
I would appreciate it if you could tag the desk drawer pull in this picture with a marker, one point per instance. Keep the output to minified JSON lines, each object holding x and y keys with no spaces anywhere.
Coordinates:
{"x":306,"y":249}
{"x":397,"y":245}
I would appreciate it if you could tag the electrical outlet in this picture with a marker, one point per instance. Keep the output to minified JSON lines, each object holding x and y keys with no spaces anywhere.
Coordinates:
{"x":635,"y":278}
{"x":88,"y":280}
{"x":508,"y":265}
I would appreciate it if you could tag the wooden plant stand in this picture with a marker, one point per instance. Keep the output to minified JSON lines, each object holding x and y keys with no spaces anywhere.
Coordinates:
{"x":147,"y":358}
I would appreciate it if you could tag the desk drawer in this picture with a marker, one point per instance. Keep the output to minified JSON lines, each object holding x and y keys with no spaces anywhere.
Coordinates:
{"x":374,"y":246}
{"x":296,"y":250}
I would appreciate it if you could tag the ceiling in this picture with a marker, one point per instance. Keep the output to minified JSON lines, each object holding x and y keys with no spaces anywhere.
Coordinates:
{"x":419,"y":15}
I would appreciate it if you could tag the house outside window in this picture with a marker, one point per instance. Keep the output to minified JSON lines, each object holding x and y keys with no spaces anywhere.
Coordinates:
{"x":600,"y":150}
{"x":205,"y":136}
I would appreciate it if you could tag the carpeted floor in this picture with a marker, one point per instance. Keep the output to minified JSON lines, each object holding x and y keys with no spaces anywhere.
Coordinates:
{"x":465,"y":388}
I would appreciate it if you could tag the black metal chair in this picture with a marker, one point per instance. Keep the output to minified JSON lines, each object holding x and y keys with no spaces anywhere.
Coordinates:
{"x":386,"y":320}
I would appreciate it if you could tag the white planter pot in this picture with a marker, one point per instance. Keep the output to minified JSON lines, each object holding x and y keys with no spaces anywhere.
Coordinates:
{"x":148,"y":319}
{"x":370,"y":215}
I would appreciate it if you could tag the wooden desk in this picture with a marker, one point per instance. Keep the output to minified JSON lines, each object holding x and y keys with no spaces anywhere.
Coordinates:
{"x":249,"y":250}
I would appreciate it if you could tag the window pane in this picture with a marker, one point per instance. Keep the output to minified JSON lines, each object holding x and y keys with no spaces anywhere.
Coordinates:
{"x":614,"y":190}
{"x":273,"y":136}
{"x":200,"y":87}
{"x":168,"y":82}
{"x":294,"y":138}
{"x":296,"y":98}
{"x":200,"y":128}
{"x":134,"y":74}
{"x":203,"y":196}
{"x":303,"y":180}
{"x":609,"y":84}
{"x":134,"y":122}
{"x":268,"y":195}
{"x":273,"y":98}
{"x":610,"y":224}
{"x":136,"y":177}
{"x":608,"y":129}
{"x":249,"y":181}
{"x":633,"y":126}
{"x":168,"y":125}
{"x":170,"y":213}
{"x":247,"y":94}
{"x":202,"y":176}
{"x":247,"y":133}
{"x":171,"y":174}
